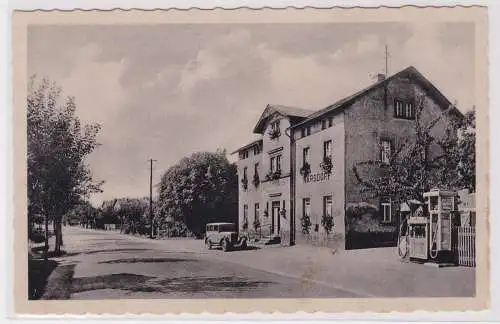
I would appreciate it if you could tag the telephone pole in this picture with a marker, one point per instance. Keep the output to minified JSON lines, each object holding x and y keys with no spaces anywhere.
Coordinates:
{"x":151,"y":197}
{"x":386,"y":61}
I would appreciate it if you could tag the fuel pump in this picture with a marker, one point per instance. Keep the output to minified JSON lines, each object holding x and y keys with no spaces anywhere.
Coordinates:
{"x":430,"y":227}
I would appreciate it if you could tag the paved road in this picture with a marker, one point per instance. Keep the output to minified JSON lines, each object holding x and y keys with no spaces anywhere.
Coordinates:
{"x":109,"y":265}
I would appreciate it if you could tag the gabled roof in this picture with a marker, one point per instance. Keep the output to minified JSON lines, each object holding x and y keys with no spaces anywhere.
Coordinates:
{"x":256,"y":142}
{"x":293,"y":112}
{"x":345,"y":102}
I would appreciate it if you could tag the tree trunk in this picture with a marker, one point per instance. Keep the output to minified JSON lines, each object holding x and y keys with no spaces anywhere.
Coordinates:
{"x":46,"y":237}
{"x":58,"y":234}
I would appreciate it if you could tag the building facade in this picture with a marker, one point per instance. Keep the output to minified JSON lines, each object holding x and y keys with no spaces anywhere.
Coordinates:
{"x":304,"y":159}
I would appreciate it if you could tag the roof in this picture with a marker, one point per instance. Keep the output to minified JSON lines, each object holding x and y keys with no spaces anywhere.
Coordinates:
{"x":221,"y":223}
{"x":345,"y":102}
{"x":259,"y":141}
{"x":282,"y":110}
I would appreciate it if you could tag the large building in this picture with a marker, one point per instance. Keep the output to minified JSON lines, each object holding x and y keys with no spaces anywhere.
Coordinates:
{"x":300,"y":168}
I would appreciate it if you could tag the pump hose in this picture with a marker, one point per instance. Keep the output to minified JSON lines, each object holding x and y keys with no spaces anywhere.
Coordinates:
{"x":403,"y":254}
{"x":433,"y":251}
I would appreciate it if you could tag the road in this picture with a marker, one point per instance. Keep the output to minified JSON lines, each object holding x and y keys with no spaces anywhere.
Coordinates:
{"x":109,"y":265}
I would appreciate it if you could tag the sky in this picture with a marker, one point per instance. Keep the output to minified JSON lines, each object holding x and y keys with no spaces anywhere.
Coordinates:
{"x":165,"y":91}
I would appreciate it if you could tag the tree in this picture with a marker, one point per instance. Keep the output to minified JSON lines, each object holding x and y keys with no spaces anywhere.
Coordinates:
{"x":201,"y":188}
{"x":132,"y":213}
{"x":460,"y":152}
{"x":58,"y":145}
{"x":414,"y":167}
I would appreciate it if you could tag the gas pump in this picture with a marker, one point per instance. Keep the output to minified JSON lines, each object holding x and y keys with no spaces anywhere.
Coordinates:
{"x":430,"y":227}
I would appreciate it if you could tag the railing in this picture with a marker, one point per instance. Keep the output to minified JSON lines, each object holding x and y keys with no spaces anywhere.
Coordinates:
{"x":465,"y":248}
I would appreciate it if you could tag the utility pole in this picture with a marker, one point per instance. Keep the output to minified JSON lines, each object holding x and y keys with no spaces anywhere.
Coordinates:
{"x":151,"y":196}
{"x":386,"y":61}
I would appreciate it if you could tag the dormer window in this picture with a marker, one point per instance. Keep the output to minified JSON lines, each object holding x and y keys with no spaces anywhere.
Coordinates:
{"x":275,"y":125}
{"x":275,"y":132}
{"x":244,"y":154}
{"x":404,"y":109}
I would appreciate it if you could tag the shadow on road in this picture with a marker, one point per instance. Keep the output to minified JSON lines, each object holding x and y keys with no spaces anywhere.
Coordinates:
{"x":206,"y":284}
{"x":146,"y":260}
{"x":116,"y":250}
{"x":125,"y":281}
{"x":141,"y":283}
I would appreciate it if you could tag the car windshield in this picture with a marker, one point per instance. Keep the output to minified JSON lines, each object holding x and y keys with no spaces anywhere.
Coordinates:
{"x":226,"y":228}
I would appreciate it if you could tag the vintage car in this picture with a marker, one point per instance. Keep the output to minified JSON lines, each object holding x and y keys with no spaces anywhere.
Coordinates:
{"x":224,"y":235}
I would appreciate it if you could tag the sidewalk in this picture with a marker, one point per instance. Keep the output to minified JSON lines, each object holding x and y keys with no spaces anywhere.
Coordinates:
{"x":368,"y":272}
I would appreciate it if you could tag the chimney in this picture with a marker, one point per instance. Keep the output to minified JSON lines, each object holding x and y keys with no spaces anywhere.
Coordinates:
{"x":380,"y":77}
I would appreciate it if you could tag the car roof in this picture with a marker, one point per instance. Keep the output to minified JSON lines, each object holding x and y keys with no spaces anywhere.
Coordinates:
{"x":221,"y":224}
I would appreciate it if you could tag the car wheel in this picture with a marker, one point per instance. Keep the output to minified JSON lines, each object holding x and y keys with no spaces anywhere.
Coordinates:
{"x":225,"y":246}
{"x":208,"y":245}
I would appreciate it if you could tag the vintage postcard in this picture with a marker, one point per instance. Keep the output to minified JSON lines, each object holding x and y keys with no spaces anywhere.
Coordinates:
{"x":299,"y":160}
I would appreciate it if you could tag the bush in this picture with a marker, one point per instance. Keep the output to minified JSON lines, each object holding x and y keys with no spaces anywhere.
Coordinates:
{"x":305,"y":223}
{"x":363,"y":217}
{"x":363,"y":228}
{"x":37,"y":237}
{"x":175,"y":229}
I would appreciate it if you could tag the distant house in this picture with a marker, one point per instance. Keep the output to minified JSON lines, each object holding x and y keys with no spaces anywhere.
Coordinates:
{"x":301,"y":164}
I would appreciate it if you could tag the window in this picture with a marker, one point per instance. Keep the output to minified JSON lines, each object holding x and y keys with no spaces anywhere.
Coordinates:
{"x":275,"y":163}
{"x":386,"y":211}
{"x":327,"y":206}
{"x":256,"y":215}
{"x":278,"y":162}
{"x":244,"y":154}
{"x":303,"y":132}
{"x":275,"y":125}
{"x":245,"y":172}
{"x":403,"y":110}
{"x":245,"y":214}
{"x":409,"y":110}
{"x":308,"y":130}
{"x":256,"y":150}
{"x":306,"y":207}
{"x":385,"y":151}
{"x":330,"y":122}
{"x":323,"y":124}
{"x":305,"y":156}
{"x":327,"y":149}
{"x":256,"y":168}
{"x":227,"y":228}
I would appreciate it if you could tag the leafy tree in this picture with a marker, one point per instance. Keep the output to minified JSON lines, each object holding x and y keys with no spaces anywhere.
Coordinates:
{"x":459,"y":146}
{"x":83,"y":213}
{"x":132,"y":213}
{"x":201,"y":188}
{"x":57,"y":147}
{"x":414,"y":167}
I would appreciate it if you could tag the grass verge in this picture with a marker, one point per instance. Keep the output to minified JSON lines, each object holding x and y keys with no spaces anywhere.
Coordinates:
{"x":59,"y":283}
{"x":38,"y":272}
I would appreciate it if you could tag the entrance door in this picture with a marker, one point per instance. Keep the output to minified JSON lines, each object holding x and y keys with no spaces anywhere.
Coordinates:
{"x":275,"y":229}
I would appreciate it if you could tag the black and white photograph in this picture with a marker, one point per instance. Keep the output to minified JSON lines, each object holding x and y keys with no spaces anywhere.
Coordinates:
{"x":253,"y":160}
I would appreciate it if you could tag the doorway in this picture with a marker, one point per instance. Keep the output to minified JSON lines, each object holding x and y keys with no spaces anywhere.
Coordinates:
{"x":275,"y":220}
